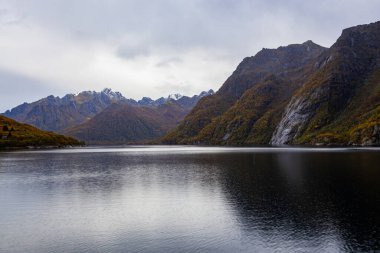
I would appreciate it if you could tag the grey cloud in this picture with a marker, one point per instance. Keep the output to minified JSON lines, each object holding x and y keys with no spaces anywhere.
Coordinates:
{"x":217,"y":30}
{"x":132,"y":51}
{"x":180,"y":24}
{"x":9,"y":18}
{"x":168,"y":61}
{"x":17,"y":89}
{"x":169,"y":88}
{"x":208,"y":23}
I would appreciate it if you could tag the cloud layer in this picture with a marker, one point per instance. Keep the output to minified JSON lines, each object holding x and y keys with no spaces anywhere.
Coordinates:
{"x":152,"y":48}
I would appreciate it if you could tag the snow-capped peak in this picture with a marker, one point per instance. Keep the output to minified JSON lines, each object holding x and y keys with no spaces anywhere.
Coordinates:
{"x":175,"y":96}
{"x":206,"y":93}
{"x":111,"y":94}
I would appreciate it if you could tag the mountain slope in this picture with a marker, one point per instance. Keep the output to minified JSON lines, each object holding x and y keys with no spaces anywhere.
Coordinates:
{"x":299,"y":94}
{"x":121,"y":124}
{"x":15,"y":134}
{"x":340,"y":104}
{"x":219,"y":119}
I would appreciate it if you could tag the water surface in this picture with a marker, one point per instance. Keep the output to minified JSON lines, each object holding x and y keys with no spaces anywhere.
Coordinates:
{"x":190,"y":199}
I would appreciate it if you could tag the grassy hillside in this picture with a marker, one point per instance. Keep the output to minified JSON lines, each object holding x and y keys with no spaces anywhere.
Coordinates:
{"x":14,"y":134}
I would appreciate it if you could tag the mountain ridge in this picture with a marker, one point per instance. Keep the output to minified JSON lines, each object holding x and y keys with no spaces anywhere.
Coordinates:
{"x":298,"y":94}
{"x":57,"y":114}
{"x":202,"y":125}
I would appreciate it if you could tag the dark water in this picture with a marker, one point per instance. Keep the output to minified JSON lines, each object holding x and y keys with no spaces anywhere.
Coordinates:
{"x":178,"y":199}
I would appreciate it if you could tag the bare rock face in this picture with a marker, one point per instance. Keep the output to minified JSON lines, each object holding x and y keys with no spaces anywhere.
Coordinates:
{"x":368,"y":136}
{"x":297,"y":113}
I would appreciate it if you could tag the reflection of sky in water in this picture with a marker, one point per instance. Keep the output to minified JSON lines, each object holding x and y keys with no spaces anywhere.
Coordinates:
{"x":189,"y":199}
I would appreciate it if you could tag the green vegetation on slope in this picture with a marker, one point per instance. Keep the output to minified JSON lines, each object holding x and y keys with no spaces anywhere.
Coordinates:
{"x":357,"y":124}
{"x":14,"y":134}
{"x":347,"y":106}
{"x":250,"y":118}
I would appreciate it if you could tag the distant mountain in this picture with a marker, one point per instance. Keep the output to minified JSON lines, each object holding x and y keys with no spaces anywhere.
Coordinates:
{"x":123,"y":123}
{"x":56,"y":114}
{"x":298,"y":94}
{"x":184,"y":101}
{"x":14,"y":134}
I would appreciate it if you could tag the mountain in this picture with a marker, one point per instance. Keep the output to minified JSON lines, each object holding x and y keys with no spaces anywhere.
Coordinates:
{"x":122,"y":124}
{"x":184,"y":101}
{"x":298,"y":94}
{"x":232,"y":102}
{"x":14,"y":134}
{"x":340,"y":103}
{"x":57,"y":114}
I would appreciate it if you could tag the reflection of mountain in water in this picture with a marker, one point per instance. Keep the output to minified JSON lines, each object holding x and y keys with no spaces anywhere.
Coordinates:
{"x":150,"y":199}
{"x":310,"y":199}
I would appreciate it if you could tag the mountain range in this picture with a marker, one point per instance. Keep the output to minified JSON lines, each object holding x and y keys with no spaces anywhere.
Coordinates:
{"x":301,"y":94}
{"x":106,"y":117}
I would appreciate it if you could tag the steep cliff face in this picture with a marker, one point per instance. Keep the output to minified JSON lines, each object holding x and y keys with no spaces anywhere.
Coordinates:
{"x":245,"y":99}
{"x":323,"y":110}
{"x":299,"y":94}
{"x":296,"y":115}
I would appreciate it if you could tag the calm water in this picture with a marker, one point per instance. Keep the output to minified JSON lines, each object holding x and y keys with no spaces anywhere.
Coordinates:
{"x":190,"y":199}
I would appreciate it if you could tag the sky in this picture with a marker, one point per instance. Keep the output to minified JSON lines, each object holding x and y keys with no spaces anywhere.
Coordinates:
{"x":152,"y":48}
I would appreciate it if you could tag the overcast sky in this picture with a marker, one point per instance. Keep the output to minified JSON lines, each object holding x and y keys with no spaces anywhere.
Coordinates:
{"x":152,"y":48}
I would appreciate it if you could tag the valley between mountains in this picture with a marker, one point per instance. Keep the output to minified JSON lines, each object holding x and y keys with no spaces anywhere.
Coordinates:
{"x":300,"y":94}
